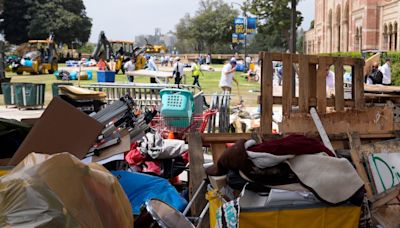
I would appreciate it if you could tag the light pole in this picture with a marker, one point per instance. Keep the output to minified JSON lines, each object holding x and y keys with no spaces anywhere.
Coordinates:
{"x":245,"y":28}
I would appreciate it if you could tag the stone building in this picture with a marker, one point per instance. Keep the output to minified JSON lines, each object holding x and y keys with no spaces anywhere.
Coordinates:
{"x":353,"y":25}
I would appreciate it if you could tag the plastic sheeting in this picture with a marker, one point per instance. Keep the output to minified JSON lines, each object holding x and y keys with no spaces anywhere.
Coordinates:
{"x":60,"y":191}
{"x":142,"y":187}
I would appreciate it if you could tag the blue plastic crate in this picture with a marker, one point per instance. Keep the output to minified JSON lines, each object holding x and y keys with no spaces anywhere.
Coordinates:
{"x":105,"y":76}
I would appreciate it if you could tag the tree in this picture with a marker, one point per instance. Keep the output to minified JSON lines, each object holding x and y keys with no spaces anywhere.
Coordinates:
{"x":66,"y":19}
{"x":210,"y":27}
{"x":273,"y":22}
{"x":14,"y":21}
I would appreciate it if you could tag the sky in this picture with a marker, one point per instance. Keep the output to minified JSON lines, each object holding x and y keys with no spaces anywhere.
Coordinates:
{"x":125,"y":19}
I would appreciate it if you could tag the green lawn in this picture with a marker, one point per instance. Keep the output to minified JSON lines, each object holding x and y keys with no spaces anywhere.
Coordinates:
{"x":209,"y":84}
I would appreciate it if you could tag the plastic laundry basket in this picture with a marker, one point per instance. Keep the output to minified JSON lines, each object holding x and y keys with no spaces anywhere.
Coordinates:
{"x":177,"y":107}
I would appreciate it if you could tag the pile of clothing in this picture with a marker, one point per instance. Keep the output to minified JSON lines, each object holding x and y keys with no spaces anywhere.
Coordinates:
{"x":293,"y":163}
{"x":158,"y":156}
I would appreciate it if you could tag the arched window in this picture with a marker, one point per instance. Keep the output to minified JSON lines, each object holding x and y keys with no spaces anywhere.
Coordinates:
{"x":385,"y":36}
{"x":390,"y":36}
{"x":395,"y":35}
{"x":346,"y":25}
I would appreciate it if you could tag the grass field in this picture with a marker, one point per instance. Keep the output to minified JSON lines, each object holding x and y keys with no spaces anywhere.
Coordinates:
{"x":209,"y":84}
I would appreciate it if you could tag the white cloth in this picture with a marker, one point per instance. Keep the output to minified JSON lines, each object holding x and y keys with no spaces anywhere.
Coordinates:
{"x":129,"y":66}
{"x":265,"y":160}
{"x":330,"y":80}
{"x":179,"y":66}
{"x":158,"y":148}
{"x":325,"y":175}
{"x":387,"y":75}
{"x":226,"y":79}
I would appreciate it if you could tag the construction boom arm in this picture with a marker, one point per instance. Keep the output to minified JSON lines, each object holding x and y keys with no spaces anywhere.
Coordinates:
{"x":102,"y":45}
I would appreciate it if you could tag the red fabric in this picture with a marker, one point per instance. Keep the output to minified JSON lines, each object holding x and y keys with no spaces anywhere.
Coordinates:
{"x":134,"y":157}
{"x":185,"y":156}
{"x":152,"y":167}
{"x":293,"y":144}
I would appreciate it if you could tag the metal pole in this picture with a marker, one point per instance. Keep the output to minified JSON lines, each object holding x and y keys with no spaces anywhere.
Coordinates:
{"x":293,"y":42}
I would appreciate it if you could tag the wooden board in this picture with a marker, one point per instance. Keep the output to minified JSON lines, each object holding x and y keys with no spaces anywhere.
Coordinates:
{"x":374,"y":120}
{"x":321,"y":85}
{"x":388,"y":216}
{"x":197,"y":173}
{"x":266,"y":93}
{"x":358,"y":84}
{"x":355,"y":143}
{"x":304,"y":85}
{"x":339,"y":90}
{"x":381,"y":89}
{"x":287,"y":85}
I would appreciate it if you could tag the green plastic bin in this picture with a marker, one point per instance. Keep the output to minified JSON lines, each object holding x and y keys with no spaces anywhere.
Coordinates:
{"x":29,"y":95}
{"x":9,"y":93}
{"x":55,"y":88}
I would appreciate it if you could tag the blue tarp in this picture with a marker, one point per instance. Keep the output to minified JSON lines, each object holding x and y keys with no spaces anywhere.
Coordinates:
{"x":141,"y":187}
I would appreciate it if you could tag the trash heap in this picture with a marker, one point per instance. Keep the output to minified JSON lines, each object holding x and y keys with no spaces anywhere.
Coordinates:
{"x":284,"y":179}
{"x":57,"y":167}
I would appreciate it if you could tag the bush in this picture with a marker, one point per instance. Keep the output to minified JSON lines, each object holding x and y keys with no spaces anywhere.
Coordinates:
{"x":396,"y":73}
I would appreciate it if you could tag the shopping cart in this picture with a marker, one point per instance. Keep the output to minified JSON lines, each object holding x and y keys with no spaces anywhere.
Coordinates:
{"x":178,"y":127}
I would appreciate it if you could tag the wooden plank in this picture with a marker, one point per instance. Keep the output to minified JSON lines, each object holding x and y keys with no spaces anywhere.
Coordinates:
{"x":223,"y":137}
{"x":321,"y":85}
{"x":304,"y":89}
{"x":217,"y":150}
{"x":339,"y":88}
{"x":197,"y":173}
{"x":321,"y":130}
{"x":363,"y":121}
{"x":349,"y":61}
{"x":387,"y":216}
{"x":330,"y":102}
{"x":385,"y":197}
{"x":276,"y":57}
{"x":266,"y":93}
{"x":358,"y":84}
{"x":312,"y":79}
{"x":355,"y":143}
{"x":287,"y":85}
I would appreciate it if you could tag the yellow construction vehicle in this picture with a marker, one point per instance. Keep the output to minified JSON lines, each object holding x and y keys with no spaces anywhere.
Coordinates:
{"x":152,"y":49}
{"x":123,"y":52}
{"x":42,"y":57}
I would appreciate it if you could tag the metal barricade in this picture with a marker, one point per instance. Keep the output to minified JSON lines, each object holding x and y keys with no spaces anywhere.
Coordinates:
{"x":145,"y":95}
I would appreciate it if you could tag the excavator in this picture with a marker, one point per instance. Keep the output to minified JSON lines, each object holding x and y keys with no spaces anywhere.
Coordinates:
{"x":107,"y":50}
{"x":41,"y":57}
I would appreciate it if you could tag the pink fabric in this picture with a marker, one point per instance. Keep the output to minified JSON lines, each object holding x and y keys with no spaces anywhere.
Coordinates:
{"x":152,"y":167}
{"x":134,"y":157}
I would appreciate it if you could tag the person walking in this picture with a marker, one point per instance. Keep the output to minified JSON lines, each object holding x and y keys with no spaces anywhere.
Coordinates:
{"x":178,"y":71}
{"x":386,"y":71}
{"x":228,"y":76}
{"x":208,"y":59}
{"x":129,"y":67}
{"x":196,"y":71}
{"x":151,"y":65}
